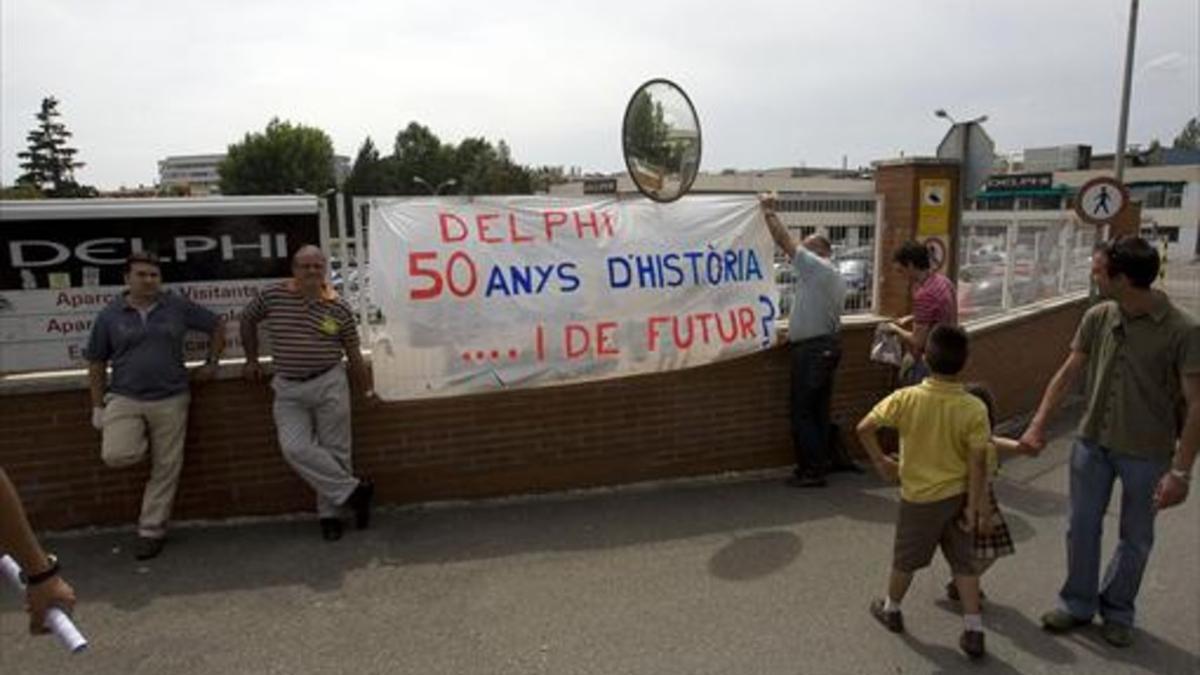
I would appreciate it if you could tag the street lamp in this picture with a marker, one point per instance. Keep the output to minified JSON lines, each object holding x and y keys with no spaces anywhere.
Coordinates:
{"x":941,"y":112}
{"x":449,"y":182}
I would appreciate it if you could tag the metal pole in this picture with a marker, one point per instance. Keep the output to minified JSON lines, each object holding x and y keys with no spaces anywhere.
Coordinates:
{"x":1126,"y":85}
{"x":962,"y":169}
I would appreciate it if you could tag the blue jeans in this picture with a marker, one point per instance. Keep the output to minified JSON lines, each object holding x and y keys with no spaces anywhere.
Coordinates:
{"x":814,"y":362}
{"x":1093,"y":470}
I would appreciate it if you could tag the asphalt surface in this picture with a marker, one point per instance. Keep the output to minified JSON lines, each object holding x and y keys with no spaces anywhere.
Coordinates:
{"x":740,"y":574}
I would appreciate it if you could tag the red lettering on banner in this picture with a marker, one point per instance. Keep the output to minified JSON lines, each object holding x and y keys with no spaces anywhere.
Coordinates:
{"x":746,"y":322}
{"x":591,"y":224}
{"x":584,"y":224}
{"x":604,"y":339}
{"x":701,"y":328}
{"x":512,"y":230}
{"x":576,"y":340}
{"x":481,"y":222}
{"x":703,"y":318}
{"x":445,"y":220}
{"x":552,"y":220}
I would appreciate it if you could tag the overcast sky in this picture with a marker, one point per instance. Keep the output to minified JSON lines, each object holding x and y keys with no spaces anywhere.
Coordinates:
{"x":775,"y":84}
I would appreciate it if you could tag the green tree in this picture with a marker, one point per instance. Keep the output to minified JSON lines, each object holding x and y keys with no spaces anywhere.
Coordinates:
{"x":283,"y":159}
{"x":475,"y":165}
{"x":418,"y":152}
{"x":1189,"y":137}
{"x":369,"y":173}
{"x":49,"y":162}
{"x":21,"y":192}
{"x":647,"y":131}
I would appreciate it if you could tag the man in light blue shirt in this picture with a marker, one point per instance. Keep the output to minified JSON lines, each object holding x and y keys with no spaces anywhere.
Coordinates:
{"x":819,"y":293}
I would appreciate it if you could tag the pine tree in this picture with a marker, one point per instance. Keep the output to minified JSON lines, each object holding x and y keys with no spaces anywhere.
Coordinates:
{"x":49,"y":162}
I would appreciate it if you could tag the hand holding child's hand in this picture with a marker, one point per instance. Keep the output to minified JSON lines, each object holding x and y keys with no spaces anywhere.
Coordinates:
{"x":967,"y":520}
{"x":984,"y":524}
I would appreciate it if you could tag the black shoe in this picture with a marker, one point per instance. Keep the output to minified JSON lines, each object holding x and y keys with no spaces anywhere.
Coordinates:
{"x":1061,"y":621}
{"x":971,"y":642}
{"x":893,"y":621}
{"x":331,"y":529}
{"x":360,"y":500}
{"x":807,"y":480}
{"x":148,"y":547}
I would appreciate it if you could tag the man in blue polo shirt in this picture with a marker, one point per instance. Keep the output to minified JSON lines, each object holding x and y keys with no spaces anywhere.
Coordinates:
{"x":144,"y":407}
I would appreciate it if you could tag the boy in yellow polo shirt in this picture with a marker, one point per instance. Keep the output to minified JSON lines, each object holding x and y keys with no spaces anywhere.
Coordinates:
{"x":944,"y":435}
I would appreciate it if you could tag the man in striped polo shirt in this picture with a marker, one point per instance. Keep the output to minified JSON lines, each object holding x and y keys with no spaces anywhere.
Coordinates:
{"x":934,"y":303}
{"x":309,"y":328}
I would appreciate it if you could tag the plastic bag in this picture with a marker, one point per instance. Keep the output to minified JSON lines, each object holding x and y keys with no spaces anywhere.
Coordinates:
{"x":886,"y":348}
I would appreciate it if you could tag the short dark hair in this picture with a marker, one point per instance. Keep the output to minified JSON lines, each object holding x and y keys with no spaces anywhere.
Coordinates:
{"x":980,"y":391}
{"x":1134,"y":257}
{"x":141,"y":257}
{"x":913,"y":254}
{"x":946,"y":352}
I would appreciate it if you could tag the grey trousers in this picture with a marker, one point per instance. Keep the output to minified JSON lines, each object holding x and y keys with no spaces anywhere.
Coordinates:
{"x":313,"y":422}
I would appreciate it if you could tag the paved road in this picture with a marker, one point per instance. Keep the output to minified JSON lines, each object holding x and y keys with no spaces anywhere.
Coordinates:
{"x":741,"y":575}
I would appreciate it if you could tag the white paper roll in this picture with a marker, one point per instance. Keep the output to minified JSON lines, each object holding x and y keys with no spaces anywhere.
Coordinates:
{"x":57,"y":620}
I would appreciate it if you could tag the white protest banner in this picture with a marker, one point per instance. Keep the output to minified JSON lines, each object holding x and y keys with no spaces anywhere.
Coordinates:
{"x":488,"y":293}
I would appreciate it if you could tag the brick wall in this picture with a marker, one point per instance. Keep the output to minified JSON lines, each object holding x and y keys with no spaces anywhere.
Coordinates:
{"x":729,"y":416}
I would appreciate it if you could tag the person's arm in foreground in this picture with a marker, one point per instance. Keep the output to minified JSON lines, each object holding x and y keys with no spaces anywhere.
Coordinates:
{"x":17,"y":540}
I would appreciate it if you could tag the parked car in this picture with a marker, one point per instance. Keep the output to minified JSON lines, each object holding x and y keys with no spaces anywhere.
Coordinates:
{"x":856,"y":266}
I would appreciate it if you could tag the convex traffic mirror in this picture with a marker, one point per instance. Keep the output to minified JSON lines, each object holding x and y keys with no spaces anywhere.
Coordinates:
{"x":661,"y":140}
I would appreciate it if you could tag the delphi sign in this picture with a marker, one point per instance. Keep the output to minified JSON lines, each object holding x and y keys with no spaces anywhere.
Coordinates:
{"x":60,"y":266}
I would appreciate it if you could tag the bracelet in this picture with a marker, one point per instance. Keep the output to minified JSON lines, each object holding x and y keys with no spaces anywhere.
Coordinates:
{"x":1182,"y":475}
{"x":45,"y":575}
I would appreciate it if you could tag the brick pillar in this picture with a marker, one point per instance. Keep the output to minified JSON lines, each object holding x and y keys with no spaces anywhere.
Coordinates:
{"x":900,"y":182}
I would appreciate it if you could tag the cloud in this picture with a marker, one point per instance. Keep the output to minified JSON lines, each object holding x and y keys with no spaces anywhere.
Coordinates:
{"x":774,"y":83}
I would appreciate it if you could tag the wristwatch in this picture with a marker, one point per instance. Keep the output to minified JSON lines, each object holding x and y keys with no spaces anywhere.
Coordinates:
{"x":1182,"y":475}
{"x":45,"y":575}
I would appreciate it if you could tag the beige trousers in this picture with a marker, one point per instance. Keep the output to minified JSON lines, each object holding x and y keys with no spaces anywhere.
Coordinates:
{"x":131,"y":429}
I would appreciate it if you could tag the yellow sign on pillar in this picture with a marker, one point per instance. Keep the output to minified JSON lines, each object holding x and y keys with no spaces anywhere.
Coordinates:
{"x":933,"y":217}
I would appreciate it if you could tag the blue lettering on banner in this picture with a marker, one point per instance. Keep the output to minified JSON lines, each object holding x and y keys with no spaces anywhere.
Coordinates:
{"x":694,"y":268}
{"x":514,"y":280}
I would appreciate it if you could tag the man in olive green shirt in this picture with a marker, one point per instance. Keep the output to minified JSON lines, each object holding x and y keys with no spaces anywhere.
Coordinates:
{"x":1142,"y":359}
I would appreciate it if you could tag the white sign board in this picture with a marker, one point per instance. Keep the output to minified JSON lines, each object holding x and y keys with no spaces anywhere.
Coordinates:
{"x":492,"y":293}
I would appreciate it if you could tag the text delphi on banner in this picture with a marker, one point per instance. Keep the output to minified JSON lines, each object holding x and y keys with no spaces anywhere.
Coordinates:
{"x":489,"y":293}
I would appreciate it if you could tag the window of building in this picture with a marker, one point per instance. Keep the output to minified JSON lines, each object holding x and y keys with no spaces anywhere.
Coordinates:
{"x":1174,"y":197}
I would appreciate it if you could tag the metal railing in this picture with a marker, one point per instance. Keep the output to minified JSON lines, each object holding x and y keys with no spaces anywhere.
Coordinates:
{"x":1005,"y":263}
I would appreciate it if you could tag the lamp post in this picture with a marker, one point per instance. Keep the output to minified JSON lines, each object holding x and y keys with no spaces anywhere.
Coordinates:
{"x":1126,"y":86}
{"x":435,"y":191}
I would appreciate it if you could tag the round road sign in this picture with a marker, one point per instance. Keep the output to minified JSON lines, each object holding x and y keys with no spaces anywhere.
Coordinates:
{"x":937,"y":253}
{"x":1100,"y":200}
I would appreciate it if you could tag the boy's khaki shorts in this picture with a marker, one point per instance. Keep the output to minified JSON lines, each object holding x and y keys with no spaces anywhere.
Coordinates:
{"x":923,"y":526}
